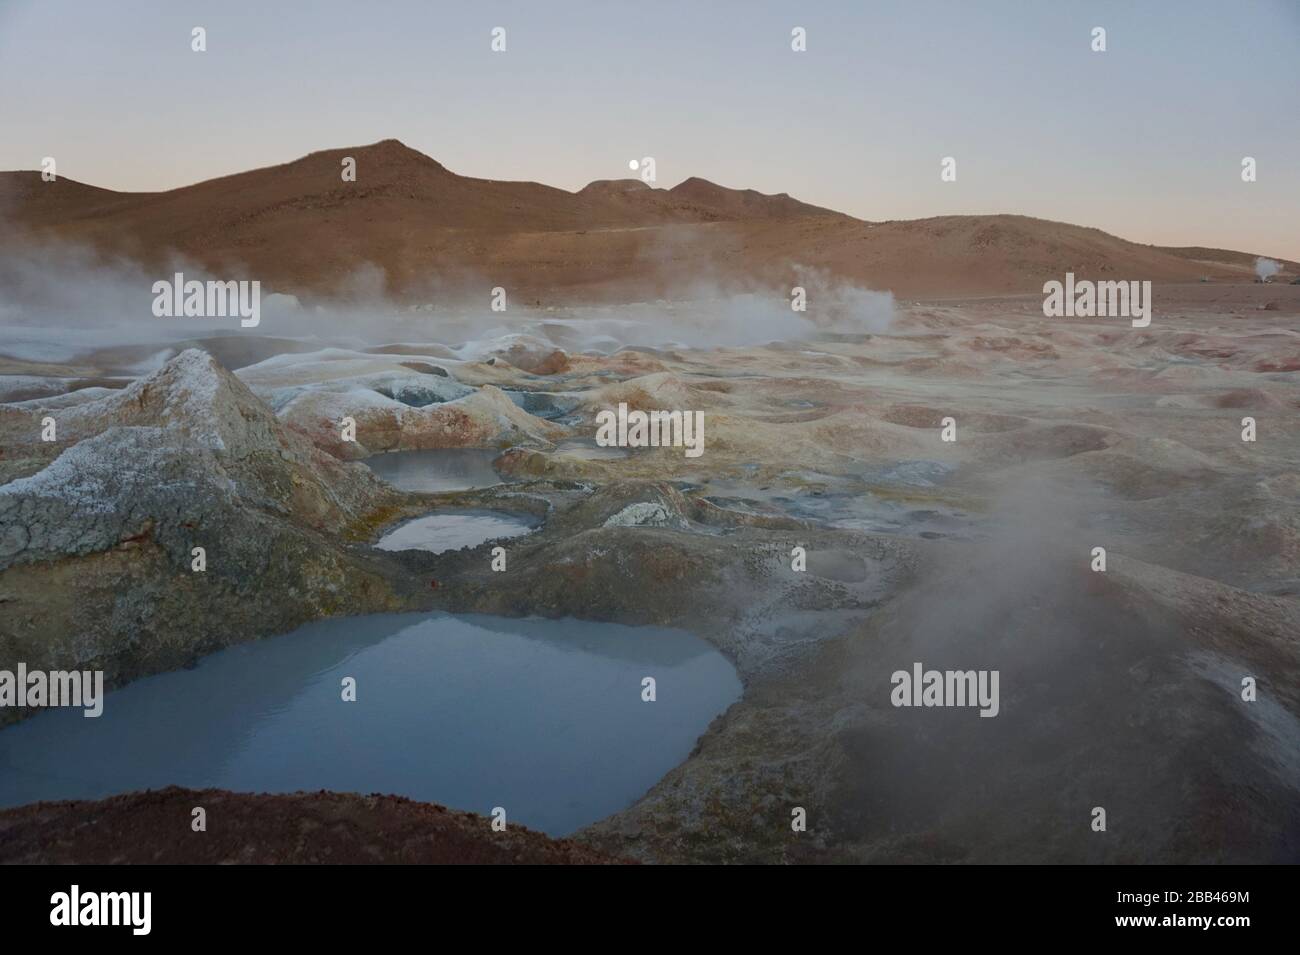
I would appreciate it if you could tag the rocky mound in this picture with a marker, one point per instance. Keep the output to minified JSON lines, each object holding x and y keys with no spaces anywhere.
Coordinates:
{"x":97,"y":547}
{"x":486,"y":418}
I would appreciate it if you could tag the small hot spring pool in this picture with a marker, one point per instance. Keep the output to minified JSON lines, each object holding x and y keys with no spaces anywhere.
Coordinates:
{"x":454,"y":529}
{"x":544,"y":718}
{"x":450,"y":469}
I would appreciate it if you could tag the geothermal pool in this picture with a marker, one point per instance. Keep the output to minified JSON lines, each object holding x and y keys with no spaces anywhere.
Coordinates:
{"x":544,"y":718}
{"x":451,"y":469}
{"x":452,"y":530}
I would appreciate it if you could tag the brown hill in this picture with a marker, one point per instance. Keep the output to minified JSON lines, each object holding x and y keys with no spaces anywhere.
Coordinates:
{"x":301,"y":229}
{"x":742,"y":204}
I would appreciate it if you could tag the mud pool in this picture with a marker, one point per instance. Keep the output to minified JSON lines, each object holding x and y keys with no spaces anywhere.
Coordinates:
{"x":452,"y":469}
{"x":543,"y":718}
{"x":452,"y":530}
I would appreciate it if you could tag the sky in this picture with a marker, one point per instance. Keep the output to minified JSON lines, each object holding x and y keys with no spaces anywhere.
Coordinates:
{"x":1144,"y":140}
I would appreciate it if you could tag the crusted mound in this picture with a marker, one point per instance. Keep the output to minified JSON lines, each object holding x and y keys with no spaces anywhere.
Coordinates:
{"x":97,"y":546}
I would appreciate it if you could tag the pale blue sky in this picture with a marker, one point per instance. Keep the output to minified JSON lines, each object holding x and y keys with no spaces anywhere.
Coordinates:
{"x":1144,"y":140}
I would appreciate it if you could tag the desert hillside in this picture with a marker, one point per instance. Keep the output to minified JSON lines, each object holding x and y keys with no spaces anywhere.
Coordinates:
{"x":427,"y":229}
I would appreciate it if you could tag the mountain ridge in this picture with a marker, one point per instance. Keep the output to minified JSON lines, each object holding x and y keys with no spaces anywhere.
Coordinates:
{"x":304,"y":230}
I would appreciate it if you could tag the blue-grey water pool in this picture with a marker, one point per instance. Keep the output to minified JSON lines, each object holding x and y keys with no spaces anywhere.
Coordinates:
{"x":454,"y":529}
{"x":450,"y":469}
{"x":543,"y":718}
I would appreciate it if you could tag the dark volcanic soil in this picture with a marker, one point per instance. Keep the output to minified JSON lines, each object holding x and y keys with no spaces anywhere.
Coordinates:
{"x":154,"y":827}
